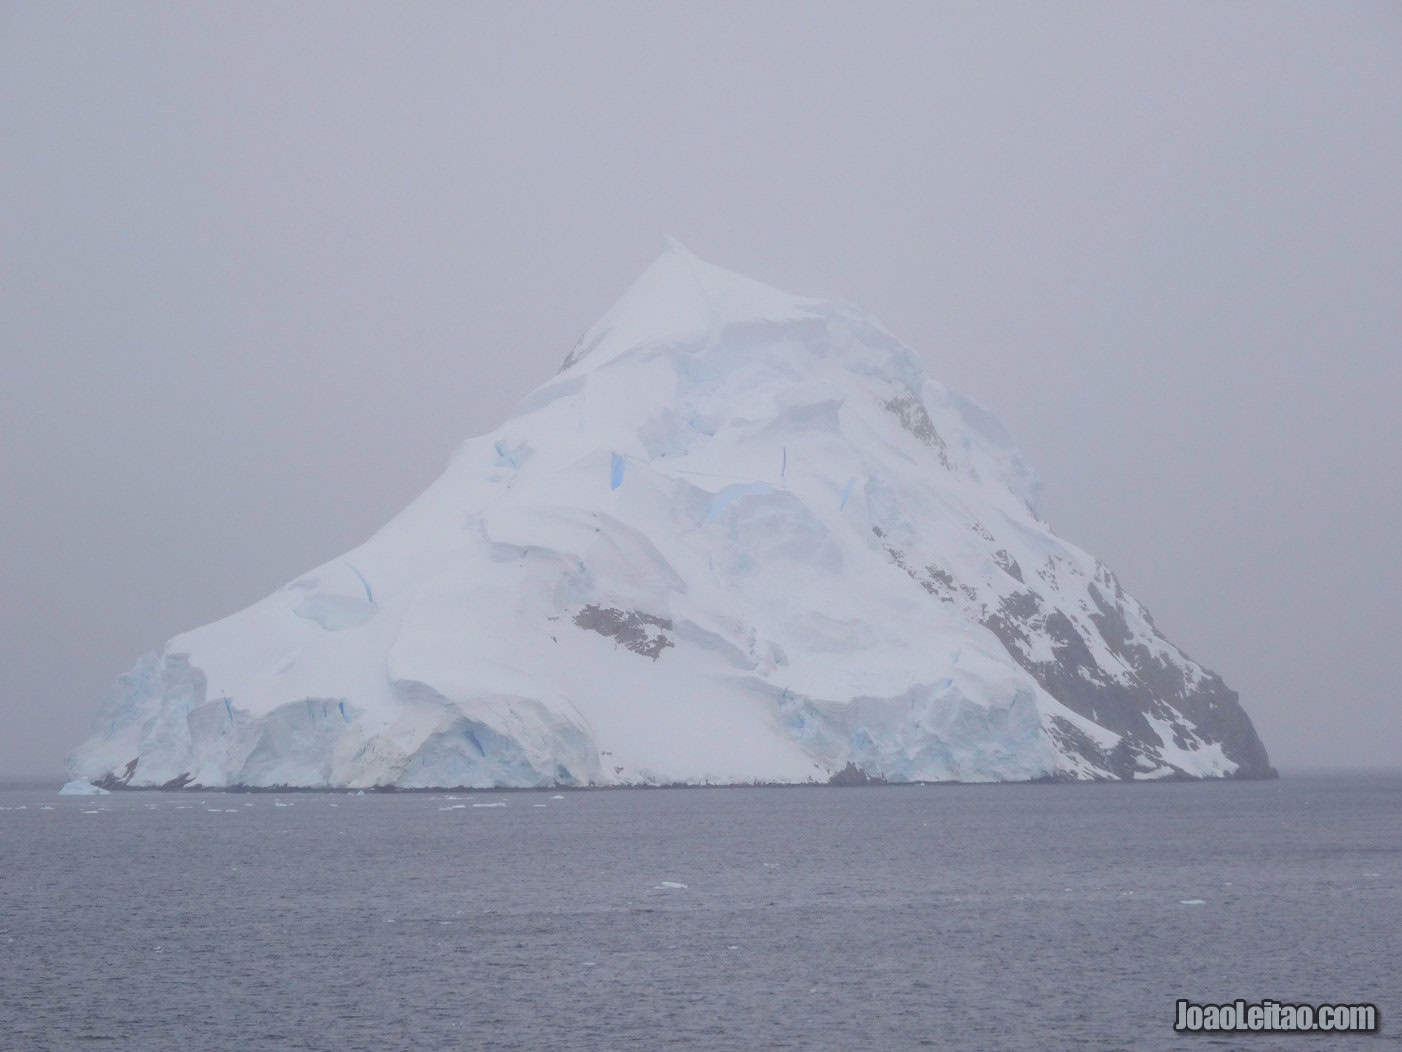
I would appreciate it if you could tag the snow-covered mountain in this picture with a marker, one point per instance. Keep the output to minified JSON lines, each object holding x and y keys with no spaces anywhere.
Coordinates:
{"x":739,"y":537}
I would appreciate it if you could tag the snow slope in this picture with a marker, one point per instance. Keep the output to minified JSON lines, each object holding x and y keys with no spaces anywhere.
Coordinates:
{"x":740,"y":536}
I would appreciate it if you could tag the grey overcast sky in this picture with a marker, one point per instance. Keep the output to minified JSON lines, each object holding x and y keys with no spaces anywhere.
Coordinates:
{"x":263,"y":266}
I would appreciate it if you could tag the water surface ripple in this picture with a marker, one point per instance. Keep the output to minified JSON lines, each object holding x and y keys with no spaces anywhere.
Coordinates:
{"x":1015,"y":917}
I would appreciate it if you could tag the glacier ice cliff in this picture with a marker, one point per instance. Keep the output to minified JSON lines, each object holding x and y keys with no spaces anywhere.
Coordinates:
{"x":739,"y":537}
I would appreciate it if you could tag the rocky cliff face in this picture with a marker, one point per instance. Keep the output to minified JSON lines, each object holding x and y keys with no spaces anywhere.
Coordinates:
{"x":739,"y":537}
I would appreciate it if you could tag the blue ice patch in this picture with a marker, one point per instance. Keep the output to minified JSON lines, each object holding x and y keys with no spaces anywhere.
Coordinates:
{"x":505,"y":457}
{"x":342,"y":706}
{"x":615,"y":471}
{"x":229,"y":709}
{"x":731,"y":494}
{"x":847,"y":492}
{"x":862,"y":743}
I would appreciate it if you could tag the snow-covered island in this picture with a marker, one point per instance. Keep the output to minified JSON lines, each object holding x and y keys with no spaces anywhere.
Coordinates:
{"x":739,"y":537}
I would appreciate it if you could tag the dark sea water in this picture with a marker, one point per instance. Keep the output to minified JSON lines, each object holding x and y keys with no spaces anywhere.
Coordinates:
{"x":1017,"y":917}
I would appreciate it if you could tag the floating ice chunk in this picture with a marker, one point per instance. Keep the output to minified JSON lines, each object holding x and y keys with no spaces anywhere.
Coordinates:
{"x":494,"y":803}
{"x":92,"y":812}
{"x":1192,"y":902}
{"x":557,"y":797}
{"x":540,"y":805}
{"x":78,"y":787}
{"x":669,"y":885}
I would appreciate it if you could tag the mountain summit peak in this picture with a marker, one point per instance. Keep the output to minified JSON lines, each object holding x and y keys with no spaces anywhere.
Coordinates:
{"x":680,"y":298}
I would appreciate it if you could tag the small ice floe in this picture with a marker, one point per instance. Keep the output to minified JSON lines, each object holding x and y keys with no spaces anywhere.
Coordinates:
{"x":1371,"y":874}
{"x":46,"y":807}
{"x":231,"y":810}
{"x":361,"y":793}
{"x":494,"y":803}
{"x":215,"y":810}
{"x":557,"y":796}
{"x":454,"y":807}
{"x":669,"y":885}
{"x":540,"y":805}
{"x":279,"y":803}
{"x":78,"y":787}
{"x":1192,"y":902}
{"x":92,"y":812}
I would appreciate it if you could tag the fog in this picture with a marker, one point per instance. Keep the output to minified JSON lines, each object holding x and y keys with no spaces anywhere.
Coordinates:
{"x":263,"y":267}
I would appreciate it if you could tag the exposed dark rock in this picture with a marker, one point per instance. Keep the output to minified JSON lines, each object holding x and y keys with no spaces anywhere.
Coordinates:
{"x":1078,"y":682}
{"x":641,"y":633}
{"x":1008,"y":564}
{"x":113,"y":780}
{"x":854,"y":775}
{"x":1158,"y":686}
{"x":915,"y":419}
